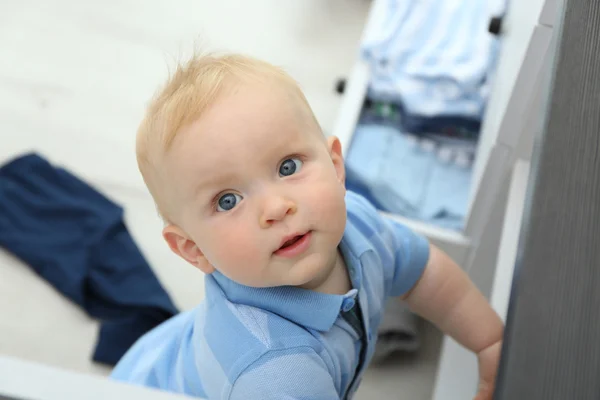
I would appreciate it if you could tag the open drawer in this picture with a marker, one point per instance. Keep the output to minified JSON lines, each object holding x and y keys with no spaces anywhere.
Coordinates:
{"x":506,"y":131}
{"x":512,"y":119}
{"x":453,"y":242}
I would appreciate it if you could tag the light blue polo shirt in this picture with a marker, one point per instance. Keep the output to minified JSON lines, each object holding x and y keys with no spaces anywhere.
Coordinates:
{"x":283,"y":342}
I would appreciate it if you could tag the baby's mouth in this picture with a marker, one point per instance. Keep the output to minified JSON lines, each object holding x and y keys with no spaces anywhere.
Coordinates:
{"x":294,"y":245}
{"x":291,"y":242}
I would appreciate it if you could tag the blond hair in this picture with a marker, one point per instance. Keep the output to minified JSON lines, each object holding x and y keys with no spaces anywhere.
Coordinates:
{"x":193,"y":87}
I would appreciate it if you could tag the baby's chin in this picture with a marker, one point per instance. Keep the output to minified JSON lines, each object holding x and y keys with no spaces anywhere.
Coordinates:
{"x":311,"y":274}
{"x":308,"y":273}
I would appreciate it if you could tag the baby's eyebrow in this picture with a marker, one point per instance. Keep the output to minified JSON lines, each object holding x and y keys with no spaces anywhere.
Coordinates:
{"x":212,"y":182}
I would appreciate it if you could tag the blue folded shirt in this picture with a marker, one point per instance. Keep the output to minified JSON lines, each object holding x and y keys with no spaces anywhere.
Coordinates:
{"x":434,"y":57}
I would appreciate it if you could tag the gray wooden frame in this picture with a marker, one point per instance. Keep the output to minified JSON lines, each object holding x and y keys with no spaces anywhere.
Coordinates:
{"x":552,"y":338}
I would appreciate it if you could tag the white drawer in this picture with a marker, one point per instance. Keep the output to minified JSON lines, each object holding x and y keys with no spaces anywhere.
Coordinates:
{"x":352,"y":103}
{"x":548,"y":15}
{"x":454,"y":243}
{"x":520,"y":59}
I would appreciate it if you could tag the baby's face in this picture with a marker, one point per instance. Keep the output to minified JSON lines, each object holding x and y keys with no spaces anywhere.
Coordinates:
{"x":261,"y":192}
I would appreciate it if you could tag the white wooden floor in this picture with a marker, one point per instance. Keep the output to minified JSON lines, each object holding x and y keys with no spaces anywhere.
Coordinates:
{"x":74,"y":78}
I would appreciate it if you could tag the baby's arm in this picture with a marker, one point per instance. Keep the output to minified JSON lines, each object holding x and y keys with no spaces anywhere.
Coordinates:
{"x":446,"y":296}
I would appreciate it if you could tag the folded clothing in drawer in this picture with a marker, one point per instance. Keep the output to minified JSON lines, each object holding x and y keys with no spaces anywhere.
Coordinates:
{"x":434,"y":57}
{"x":422,"y":178}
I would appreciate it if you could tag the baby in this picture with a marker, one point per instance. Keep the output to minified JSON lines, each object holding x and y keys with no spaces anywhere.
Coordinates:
{"x":298,"y":270}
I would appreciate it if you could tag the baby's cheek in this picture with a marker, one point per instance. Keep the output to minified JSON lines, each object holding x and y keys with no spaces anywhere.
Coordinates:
{"x":234,"y":248}
{"x":328,"y":202}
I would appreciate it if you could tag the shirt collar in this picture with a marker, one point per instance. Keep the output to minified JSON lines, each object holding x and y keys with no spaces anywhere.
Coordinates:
{"x":308,"y":308}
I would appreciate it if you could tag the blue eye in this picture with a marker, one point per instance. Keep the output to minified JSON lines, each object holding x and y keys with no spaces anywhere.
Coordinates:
{"x":290,"y":167}
{"x":228,"y":201}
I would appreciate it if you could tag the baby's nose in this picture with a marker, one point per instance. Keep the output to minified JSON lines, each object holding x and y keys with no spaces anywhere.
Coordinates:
{"x":276,"y":209}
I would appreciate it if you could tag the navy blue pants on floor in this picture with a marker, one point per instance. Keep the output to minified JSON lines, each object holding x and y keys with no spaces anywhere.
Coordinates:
{"x":76,"y":239}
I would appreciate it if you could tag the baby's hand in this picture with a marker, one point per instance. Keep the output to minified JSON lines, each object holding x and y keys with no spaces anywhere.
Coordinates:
{"x":488,"y":367}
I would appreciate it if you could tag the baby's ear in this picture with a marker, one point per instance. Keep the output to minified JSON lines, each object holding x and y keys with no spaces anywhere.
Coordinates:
{"x":182,"y":245}
{"x":335,"y":151}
